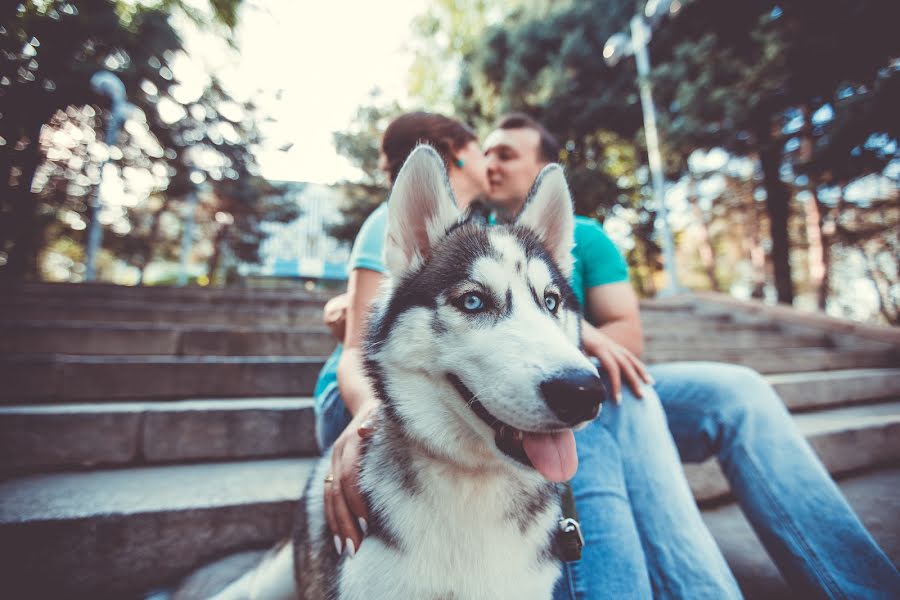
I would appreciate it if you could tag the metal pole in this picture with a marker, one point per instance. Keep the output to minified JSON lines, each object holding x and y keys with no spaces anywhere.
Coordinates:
{"x":95,"y":231}
{"x":639,"y":43}
{"x":187,"y":237}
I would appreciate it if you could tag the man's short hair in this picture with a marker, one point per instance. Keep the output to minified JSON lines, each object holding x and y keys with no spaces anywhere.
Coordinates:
{"x":549,"y":147}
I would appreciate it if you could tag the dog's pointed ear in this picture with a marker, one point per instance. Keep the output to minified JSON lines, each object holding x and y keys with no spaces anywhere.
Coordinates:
{"x":549,"y":212}
{"x":420,"y":211}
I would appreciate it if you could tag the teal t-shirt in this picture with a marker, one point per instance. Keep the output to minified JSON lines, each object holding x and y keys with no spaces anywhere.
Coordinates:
{"x":597,"y":262}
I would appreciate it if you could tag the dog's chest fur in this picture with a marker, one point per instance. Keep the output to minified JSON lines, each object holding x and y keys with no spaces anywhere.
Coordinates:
{"x":451,"y":534}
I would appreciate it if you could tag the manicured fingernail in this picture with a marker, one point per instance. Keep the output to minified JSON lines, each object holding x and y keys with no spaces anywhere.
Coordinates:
{"x":363,"y":525}
{"x":337,"y":545}
{"x":366,"y":429}
{"x":619,"y":398}
{"x":650,"y":380}
{"x":351,"y":551}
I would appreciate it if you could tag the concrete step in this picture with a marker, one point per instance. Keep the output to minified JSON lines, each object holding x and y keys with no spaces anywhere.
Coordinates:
{"x":85,"y":337}
{"x":73,"y":378}
{"x":813,"y":390}
{"x":792,"y":318}
{"x":873,"y":496}
{"x":12,"y":302}
{"x":781,"y":360}
{"x":147,"y":338}
{"x":678,"y":339}
{"x":660,"y":319}
{"x":105,"y":291}
{"x":78,"y":436}
{"x":659,"y":305}
{"x":123,"y":531}
{"x":298,"y":314}
{"x":68,"y":378}
{"x":141,"y":338}
{"x":845,"y":439}
{"x":48,"y":436}
{"x":117,"y":533}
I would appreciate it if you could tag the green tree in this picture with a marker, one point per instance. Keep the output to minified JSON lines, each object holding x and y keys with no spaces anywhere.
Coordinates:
{"x":360,"y":144}
{"x":748,"y":77}
{"x":51,"y":124}
{"x":443,"y":37}
{"x":728,"y":74}
{"x":544,"y":59}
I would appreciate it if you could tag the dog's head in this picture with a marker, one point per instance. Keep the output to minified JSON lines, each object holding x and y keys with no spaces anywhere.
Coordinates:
{"x":475,"y":344}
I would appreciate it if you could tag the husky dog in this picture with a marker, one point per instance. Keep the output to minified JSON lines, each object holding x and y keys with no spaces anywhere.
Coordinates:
{"x":473,"y":349}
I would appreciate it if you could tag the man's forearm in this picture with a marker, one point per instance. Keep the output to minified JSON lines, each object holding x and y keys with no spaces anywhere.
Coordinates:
{"x":615,"y":306}
{"x":625,"y":332}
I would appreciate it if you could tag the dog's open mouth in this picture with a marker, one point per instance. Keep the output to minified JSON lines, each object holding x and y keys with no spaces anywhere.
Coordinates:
{"x":552,"y":454}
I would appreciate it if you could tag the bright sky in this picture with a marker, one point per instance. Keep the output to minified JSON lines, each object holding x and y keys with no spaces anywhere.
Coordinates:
{"x":326,"y":57}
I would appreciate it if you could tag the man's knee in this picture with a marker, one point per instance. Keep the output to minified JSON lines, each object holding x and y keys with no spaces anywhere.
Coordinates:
{"x":642,"y":414}
{"x":736,"y":393}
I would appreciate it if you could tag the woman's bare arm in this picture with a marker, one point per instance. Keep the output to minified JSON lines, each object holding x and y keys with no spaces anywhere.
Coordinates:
{"x":362,"y":288}
{"x":345,"y":508}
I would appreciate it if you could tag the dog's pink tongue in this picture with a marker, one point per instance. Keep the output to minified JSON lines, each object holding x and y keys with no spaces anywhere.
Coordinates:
{"x":552,"y":454}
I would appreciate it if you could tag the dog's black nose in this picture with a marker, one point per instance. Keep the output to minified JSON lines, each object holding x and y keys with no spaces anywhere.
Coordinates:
{"x":574,"y":395}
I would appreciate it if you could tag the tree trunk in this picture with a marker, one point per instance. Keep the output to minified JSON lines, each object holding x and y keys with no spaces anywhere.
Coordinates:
{"x":707,"y":253}
{"x":152,"y":237}
{"x":753,"y":247}
{"x":6,"y":206}
{"x":887,"y":304}
{"x":22,"y":254}
{"x":818,"y":250}
{"x":817,"y":255}
{"x":216,"y":257}
{"x":778,"y":199}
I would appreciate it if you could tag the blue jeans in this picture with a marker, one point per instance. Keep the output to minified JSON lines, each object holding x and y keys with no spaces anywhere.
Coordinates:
{"x":644,"y":536}
{"x":811,"y":533}
{"x":332,"y":416}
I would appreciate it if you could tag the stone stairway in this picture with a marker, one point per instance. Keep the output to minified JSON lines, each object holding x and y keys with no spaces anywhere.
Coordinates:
{"x":146,"y":431}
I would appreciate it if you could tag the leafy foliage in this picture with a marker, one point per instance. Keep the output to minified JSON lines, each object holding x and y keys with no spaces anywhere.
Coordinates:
{"x":52,"y":125}
{"x":728,"y":74}
{"x":361,"y":146}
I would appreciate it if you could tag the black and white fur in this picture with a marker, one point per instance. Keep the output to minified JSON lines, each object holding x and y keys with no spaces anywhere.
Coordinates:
{"x":457,"y":512}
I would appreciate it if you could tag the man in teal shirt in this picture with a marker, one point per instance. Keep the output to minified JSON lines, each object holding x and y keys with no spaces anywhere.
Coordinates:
{"x":713,"y":410}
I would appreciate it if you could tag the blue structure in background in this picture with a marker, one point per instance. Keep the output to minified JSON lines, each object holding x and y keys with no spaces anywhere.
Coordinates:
{"x":302,"y":249}
{"x":308,"y":269}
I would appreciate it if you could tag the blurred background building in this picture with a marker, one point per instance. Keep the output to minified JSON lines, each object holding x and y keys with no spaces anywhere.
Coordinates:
{"x":302,"y":248}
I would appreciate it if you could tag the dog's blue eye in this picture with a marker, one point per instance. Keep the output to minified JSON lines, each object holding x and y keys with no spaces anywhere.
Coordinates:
{"x":552,"y":302}
{"x":472,"y":302}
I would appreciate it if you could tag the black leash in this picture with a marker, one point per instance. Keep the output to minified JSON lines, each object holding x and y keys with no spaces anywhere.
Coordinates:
{"x":569,"y":540}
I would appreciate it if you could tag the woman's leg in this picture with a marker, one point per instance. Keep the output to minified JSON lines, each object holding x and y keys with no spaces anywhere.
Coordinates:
{"x":683,"y":560}
{"x":332,"y":416}
{"x":808,"y":528}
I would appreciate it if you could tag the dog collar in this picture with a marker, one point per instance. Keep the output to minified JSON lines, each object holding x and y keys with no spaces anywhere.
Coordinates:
{"x":569,"y":539}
